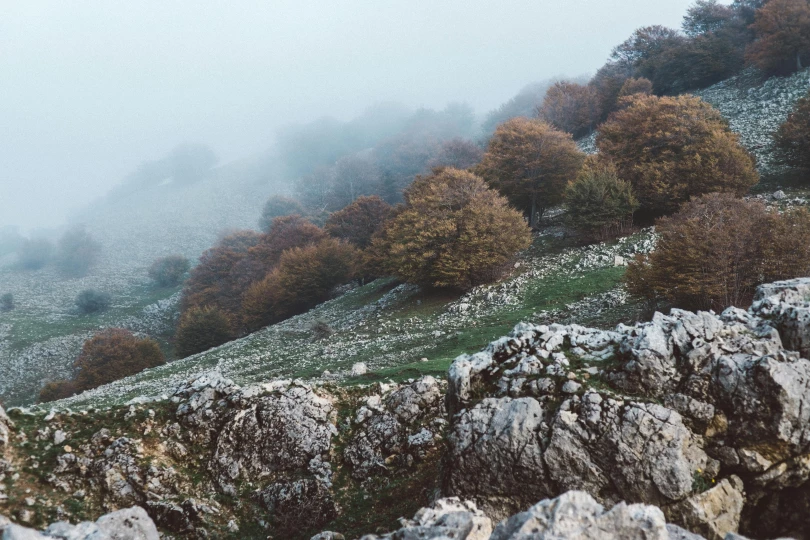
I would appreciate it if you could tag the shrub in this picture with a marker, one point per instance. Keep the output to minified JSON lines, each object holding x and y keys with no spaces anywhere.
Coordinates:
{"x":304,"y":278}
{"x":571,"y":107}
{"x":169,"y":271}
{"x":782,"y":30}
{"x":277,"y":206}
{"x":76,"y":252}
{"x":717,"y":249}
{"x":35,"y":253}
{"x":608,"y":82}
{"x":113,"y":354}
{"x":530,"y":162}
{"x":793,"y":137}
{"x":358,"y":222}
{"x":6,"y":302}
{"x":321,"y":330}
{"x":91,"y":301}
{"x":674,"y":148}
{"x":55,"y":390}
{"x":598,"y":202}
{"x":200,"y":329}
{"x":453,"y":232}
{"x":632,"y":87}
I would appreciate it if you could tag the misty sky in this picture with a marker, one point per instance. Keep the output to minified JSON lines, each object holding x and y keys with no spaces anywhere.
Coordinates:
{"x":90,"y":88}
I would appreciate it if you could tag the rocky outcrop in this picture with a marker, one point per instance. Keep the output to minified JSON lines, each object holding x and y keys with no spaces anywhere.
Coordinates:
{"x":397,"y":429}
{"x":574,"y":515}
{"x":127,"y":524}
{"x":654,"y":413}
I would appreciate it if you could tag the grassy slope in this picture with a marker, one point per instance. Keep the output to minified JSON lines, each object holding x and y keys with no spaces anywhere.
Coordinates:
{"x":393,"y":327}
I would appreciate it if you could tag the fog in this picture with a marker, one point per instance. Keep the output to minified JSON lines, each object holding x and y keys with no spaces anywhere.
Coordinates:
{"x":91,"y":89}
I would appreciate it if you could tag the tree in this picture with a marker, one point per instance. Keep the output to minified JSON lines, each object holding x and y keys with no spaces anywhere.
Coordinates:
{"x":674,"y":148}
{"x":522,"y":105}
{"x":633,"y":86}
{"x":77,"y":252}
{"x":715,"y":251}
{"x":530,"y":162}
{"x":358,"y":222}
{"x":212,"y":282}
{"x":200,"y":329}
{"x":34,"y":253}
{"x":608,"y":82}
{"x":354,"y":177}
{"x":453,"y":232}
{"x":598,"y":203}
{"x":113,"y":354}
{"x":782,"y":29}
{"x":58,"y":390}
{"x":571,"y":107}
{"x":706,"y":16}
{"x":91,"y":301}
{"x":793,"y":137}
{"x":169,"y":271}
{"x":648,"y":50}
{"x":457,"y":153}
{"x":6,"y":302}
{"x":278,"y":206}
{"x":303,"y":279}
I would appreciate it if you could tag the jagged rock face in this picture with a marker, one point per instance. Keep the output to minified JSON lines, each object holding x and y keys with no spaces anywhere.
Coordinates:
{"x":445,"y":518}
{"x":202,"y":402}
{"x":5,"y":429}
{"x":398,"y":429}
{"x":574,"y":515}
{"x":567,"y":407}
{"x":127,"y":524}
{"x":278,"y":433}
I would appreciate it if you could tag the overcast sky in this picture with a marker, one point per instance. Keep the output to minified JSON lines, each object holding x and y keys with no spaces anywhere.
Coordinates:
{"x":90,"y":88}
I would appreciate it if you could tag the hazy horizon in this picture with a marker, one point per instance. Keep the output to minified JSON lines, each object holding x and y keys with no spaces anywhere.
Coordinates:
{"x":92,"y":89}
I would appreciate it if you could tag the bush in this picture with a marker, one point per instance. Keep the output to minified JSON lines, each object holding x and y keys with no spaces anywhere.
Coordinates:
{"x":321,"y":330}
{"x":598,"y":203}
{"x":530,"y":162}
{"x":453,"y":232}
{"x":7,"y":302}
{"x":793,"y":137}
{"x":304,"y":278}
{"x":278,"y":206}
{"x":200,"y":329}
{"x":632,"y":87}
{"x":76,"y":252}
{"x":55,"y":390}
{"x":92,"y":301}
{"x":674,"y":148}
{"x":358,"y":222}
{"x":35,"y":253}
{"x":571,"y":107}
{"x":715,"y":251}
{"x":113,"y":354}
{"x":169,"y":271}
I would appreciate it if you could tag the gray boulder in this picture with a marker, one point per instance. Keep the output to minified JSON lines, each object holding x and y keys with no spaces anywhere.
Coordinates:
{"x":447,"y":519}
{"x":127,"y":524}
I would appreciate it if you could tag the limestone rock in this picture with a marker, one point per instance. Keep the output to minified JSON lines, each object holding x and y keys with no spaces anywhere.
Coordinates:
{"x":444,"y":519}
{"x":713,"y":513}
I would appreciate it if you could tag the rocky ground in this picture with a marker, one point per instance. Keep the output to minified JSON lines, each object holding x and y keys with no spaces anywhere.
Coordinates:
{"x":698,"y":420}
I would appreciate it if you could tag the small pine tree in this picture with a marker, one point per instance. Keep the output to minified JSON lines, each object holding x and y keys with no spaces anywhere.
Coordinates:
{"x":200,"y":329}
{"x":91,"y":301}
{"x":598,"y":203}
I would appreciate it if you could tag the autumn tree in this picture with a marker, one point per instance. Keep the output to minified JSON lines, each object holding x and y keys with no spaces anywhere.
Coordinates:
{"x":530,"y":162}
{"x":303,"y":279}
{"x":633,"y":87}
{"x":608,"y":82}
{"x":571,"y":107}
{"x":782,"y":30}
{"x":169,"y":271}
{"x":200,"y":329}
{"x":453,"y":232}
{"x":213,"y":282}
{"x":278,"y":206}
{"x":598,"y":202}
{"x":358,"y":222}
{"x":715,"y":251}
{"x":113,"y":354}
{"x":674,"y":148}
{"x":793,"y":137}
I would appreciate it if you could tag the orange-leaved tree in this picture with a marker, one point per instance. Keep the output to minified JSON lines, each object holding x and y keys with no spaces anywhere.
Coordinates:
{"x":674,"y":148}
{"x":453,"y":232}
{"x":782,"y":28}
{"x":571,"y":107}
{"x":793,"y":137}
{"x":358,"y":222}
{"x":530,"y":162}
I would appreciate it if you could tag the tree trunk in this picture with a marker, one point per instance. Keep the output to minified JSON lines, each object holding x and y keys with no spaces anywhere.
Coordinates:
{"x":533,"y":217}
{"x":798,"y":61}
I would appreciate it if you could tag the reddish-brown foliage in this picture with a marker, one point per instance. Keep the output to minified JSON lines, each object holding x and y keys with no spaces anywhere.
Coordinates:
{"x":358,"y":222}
{"x":113,"y":354}
{"x":571,"y":107}
{"x":793,"y":137}
{"x":782,"y":28}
